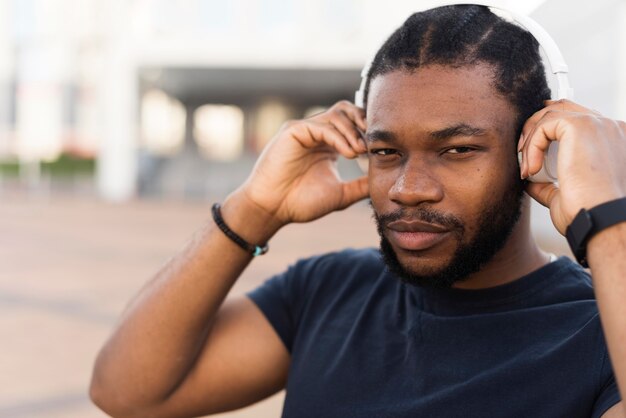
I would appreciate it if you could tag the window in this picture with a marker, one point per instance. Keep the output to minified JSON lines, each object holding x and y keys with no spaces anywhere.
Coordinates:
{"x":162,"y":123}
{"x":218,"y":130}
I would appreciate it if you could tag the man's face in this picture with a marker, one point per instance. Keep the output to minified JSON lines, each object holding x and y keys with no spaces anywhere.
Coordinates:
{"x":443,"y":178}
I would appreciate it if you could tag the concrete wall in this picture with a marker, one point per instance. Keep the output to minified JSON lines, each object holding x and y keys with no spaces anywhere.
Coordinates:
{"x":592,"y":38}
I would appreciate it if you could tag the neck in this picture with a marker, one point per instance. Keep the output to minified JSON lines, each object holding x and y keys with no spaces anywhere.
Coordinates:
{"x":519,"y":257}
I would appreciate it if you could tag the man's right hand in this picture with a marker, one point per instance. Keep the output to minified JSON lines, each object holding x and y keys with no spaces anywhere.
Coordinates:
{"x":296,"y":179}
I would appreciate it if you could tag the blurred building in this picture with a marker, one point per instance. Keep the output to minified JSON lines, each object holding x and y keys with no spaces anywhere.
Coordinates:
{"x":592,"y":38}
{"x":178,"y":98}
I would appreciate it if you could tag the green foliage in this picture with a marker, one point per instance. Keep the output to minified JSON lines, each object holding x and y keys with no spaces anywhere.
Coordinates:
{"x":65,"y":166}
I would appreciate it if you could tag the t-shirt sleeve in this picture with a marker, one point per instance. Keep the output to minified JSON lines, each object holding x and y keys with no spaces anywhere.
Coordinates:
{"x":275,"y":298}
{"x":307,"y":288}
{"x":609,"y":393}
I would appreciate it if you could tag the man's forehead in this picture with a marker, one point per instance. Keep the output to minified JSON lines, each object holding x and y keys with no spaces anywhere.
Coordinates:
{"x":438,"y":96}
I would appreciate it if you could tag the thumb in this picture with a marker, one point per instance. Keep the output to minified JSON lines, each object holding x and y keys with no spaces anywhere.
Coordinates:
{"x":542,"y":192}
{"x":353,"y":191}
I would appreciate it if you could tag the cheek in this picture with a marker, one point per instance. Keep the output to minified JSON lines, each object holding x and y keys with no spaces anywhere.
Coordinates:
{"x":379,"y":185}
{"x":469,"y":196}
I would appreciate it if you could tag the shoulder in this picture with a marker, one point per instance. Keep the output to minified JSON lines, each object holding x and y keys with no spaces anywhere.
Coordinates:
{"x":311,"y":285}
{"x":571,"y":281}
{"x":340,"y":261}
{"x":349,"y":271}
{"x":324,"y":271}
{"x":338,"y":267}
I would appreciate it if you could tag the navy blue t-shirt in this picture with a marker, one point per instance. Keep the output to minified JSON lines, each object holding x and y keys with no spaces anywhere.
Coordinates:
{"x":363,"y":344}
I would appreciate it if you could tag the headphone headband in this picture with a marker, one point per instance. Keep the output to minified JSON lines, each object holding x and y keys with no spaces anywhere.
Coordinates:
{"x":555,"y":59}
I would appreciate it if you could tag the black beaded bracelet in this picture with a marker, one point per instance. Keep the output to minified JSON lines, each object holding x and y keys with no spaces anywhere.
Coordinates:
{"x":255,"y":250}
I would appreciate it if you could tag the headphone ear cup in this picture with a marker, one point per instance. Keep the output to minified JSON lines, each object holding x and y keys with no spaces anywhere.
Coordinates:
{"x":363,"y":162}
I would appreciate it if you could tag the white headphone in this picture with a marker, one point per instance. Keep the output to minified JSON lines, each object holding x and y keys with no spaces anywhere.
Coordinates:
{"x":556,"y":65}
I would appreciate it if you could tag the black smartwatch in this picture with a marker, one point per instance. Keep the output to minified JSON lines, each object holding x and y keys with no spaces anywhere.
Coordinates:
{"x":587,"y":223}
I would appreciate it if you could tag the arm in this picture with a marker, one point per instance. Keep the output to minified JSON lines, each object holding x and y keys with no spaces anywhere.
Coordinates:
{"x":606,"y":254}
{"x":169,"y":342}
{"x":591,"y":171}
{"x":179,"y":350}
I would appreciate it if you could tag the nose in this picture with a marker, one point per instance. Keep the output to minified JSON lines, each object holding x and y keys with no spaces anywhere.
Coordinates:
{"x":415,"y":185}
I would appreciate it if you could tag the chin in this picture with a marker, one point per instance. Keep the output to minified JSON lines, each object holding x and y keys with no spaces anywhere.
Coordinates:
{"x":420,"y":268}
{"x":423,"y":262}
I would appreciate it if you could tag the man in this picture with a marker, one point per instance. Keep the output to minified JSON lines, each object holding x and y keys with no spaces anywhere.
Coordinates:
{"x":466,"y":316}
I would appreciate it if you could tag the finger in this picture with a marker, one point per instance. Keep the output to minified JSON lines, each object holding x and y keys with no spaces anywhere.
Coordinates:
{"x":527,"y":143}
{"x":520,"y":142}
{"x":529,"y":127}
{"x":354,"y":113}
{"x":349,"y":130}
{"x":550,"y":128}
{"x":535,"y":144}
{"x":544,"y":193}
{"x":313,"y":134}
{"x":562,"y":105}
{"x":353,"y":191}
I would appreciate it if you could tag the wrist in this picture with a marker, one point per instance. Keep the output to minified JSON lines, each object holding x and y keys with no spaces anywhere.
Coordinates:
{"x":248,"y":220}
{"x":606,"y":244}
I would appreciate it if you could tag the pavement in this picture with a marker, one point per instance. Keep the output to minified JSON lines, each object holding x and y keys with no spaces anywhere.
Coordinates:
{"x":69,"y":265}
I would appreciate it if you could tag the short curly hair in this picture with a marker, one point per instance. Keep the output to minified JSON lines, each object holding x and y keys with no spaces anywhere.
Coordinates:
{"x":461,"y":36}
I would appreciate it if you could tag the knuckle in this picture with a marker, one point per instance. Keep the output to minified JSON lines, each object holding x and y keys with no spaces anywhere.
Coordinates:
{"x":336,"y":111}
{"x":288,"y":123}
{"x":548,"y":114}
{"x":562,"y":102}
{"x":591,"y":120}
{"x":343,"y":103}
{"x":341,"y":107}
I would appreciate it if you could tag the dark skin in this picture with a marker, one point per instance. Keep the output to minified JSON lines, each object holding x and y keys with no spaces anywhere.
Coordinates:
{"x":182,"y":350}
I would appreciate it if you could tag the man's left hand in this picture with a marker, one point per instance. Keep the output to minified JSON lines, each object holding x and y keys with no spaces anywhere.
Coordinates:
{"x":591,"y":159}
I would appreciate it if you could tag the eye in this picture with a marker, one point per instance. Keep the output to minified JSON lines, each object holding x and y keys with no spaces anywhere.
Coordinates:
{"x":383,"y":151}
{"x":460,"y":150}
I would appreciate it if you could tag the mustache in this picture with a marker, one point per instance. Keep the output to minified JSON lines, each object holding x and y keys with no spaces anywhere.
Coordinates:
{"x":422,"y":214}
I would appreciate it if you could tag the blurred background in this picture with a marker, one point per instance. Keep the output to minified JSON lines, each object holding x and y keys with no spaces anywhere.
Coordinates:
{"x":121,"y":120}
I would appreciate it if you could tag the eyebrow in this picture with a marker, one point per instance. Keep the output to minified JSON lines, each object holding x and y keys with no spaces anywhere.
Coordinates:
{"x":379,"y":135}
{"x":460,"y":129}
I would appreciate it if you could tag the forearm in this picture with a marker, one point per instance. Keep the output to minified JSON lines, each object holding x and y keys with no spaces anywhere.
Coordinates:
{"x":606,"y":254}
{"x":165,"y":326}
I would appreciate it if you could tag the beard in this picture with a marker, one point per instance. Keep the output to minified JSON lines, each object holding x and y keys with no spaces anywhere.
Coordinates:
{"x":494,"y":227}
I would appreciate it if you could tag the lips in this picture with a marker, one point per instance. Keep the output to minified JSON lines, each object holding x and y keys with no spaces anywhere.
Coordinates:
{"x":416,"y":235}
